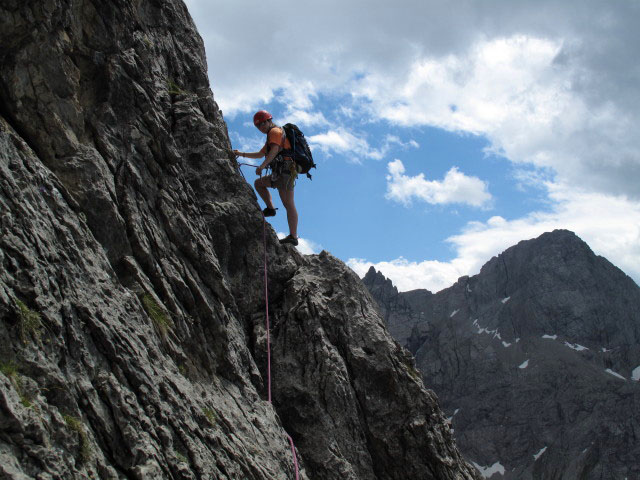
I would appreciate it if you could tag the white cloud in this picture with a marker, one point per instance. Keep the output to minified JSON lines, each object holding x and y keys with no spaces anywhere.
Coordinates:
{"x":456,"y":187}
{"x":522,"y":94}
{"x":514,"y":92}
{"x":247,"y":144}
{"x":305,"y":246}
{"x":345,"y":143}
{"x":610,"y":225}
{"x":338,"y":141}
{"x":356,"y":148}
{"x":302,"y":117}
{"x":477,"y":91}
{"x":390,"y":140}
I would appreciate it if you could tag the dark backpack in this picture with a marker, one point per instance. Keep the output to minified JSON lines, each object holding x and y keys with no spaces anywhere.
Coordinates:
{"x":300,"y":151}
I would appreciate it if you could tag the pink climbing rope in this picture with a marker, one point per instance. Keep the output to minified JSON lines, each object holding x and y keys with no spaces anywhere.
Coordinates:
{"x":293,"y":451}
{"x":266,"y":301}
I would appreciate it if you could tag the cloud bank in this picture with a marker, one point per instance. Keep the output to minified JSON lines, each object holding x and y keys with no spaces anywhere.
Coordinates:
{"x":615,"y":234}
{"x":456,"y":187}
{"x":305,"y":246}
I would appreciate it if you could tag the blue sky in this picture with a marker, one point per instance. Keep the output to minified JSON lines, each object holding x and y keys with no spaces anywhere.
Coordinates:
{"x":442,"y":135}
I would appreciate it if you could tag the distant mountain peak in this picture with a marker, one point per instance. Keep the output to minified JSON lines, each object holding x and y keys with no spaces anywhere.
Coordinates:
{"x":376,"y":281}
{"x":546,"y":326}
{"x":374,"y":277}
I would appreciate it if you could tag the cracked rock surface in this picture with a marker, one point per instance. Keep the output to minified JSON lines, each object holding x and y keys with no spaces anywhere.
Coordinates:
{"x":131,"y":295}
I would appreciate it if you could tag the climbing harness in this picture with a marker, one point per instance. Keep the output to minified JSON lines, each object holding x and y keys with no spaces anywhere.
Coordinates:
{"x":266,"y":303}
{"x":293,"y":175}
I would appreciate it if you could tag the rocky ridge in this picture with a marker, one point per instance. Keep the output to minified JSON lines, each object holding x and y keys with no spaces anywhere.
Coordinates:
{"x":536,"y":359}
{"x":131,"y":296}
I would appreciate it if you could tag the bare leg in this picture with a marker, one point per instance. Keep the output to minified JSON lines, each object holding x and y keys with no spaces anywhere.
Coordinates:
{"x":292,"y":214}
{"x":261,"y":187}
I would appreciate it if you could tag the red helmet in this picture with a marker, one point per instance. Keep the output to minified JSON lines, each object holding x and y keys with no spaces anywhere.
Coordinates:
{"x":261,"y":116}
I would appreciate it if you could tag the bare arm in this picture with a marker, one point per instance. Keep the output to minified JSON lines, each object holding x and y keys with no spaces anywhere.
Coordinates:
{"x":248,"y":154}
{"x":274,"y":149}
{"x":238,"y":153}
{"x":273,"y":152}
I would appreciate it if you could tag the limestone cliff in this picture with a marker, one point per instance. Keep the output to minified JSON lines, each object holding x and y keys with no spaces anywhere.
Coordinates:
{"x":131,"y":296}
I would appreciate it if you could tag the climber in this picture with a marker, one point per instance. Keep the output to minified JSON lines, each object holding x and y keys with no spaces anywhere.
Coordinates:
{"x":283,"y":170}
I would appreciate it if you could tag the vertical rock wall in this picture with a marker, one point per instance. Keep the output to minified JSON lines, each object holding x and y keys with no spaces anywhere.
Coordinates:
{"x":130,"y":285}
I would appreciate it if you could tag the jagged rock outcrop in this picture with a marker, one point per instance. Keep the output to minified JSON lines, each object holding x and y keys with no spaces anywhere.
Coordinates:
{"x":356,"y":391}
{"x":536,"y":358}
{"x":401,"y":312}
{"x":131,"y":296}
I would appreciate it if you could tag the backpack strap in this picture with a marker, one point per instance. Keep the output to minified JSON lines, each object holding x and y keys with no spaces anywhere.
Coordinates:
{"x":292,"y":142}
{"x":278,"y":161}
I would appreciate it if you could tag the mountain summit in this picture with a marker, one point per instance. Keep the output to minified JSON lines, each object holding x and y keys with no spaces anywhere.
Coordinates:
{"x":536,"y":359}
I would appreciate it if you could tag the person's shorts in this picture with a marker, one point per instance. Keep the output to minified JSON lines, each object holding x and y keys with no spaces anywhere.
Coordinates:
{"x":282,"y":181}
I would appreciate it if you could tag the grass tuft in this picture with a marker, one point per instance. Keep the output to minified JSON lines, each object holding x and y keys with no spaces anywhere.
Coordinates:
{"x":30,"y":323}
{"x":174,"y":89}
{"x":181,"y":458}
{"x":158,"y":315}
{"x":10,"y":370}
{"x":76,"y":425}
{"x":211,"y":416}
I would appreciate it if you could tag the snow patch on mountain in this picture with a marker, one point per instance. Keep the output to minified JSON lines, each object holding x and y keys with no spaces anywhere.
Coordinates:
{"x":576,"y":346}
{"x":611,"y":372}
{"x":495,"y":333}
{"x":450,"y":419}
{"x":488,"y":472}
{"x":539,"y":454}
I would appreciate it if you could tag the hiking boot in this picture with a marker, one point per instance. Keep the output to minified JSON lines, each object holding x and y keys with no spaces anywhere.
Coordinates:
{"x":289,"y":239}
{"x":269,"y":212}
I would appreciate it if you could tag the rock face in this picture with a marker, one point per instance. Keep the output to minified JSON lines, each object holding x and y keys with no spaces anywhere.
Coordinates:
{"x":357,"y":393}
{"x":536,"y":359}
{"x":131,"y":294}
